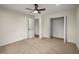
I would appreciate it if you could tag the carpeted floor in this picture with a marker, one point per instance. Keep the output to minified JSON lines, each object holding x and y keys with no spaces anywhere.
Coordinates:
{"x":39,"y":46}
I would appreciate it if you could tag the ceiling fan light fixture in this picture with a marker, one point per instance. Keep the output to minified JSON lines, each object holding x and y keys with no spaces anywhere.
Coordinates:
{"x":35,"y":11}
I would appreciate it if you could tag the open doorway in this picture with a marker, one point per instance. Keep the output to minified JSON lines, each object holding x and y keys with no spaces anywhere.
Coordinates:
{"x":58,"y":28}
{"x":36,"y":27}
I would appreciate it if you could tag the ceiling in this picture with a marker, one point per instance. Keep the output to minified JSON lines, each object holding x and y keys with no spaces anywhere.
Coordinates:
{"x":49,"y":7}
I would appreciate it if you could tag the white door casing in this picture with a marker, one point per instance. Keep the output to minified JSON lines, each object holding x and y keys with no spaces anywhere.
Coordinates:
{"x":65,"y":29}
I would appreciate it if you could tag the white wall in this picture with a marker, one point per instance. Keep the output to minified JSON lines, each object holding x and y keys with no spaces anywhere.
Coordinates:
{"x":71,"y":24}
{"x":77,"y":12}
{"x":58,"y":27}
{"x":13,"y":26}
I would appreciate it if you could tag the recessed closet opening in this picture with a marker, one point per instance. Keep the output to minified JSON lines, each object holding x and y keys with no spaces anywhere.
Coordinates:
{"x":59,"y":28}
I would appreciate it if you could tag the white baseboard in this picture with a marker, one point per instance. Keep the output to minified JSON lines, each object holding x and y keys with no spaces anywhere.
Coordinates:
{"x":77,"y":45}
{"x":6,"y":43}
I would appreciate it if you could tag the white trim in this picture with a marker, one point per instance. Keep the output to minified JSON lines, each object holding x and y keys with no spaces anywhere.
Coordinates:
{"x":40,"y":31}
{"x":28,"y":28}
{"x":65,"y":29}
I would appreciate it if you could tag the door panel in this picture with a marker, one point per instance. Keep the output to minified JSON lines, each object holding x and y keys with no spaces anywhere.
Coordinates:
{"x":31,"y":28}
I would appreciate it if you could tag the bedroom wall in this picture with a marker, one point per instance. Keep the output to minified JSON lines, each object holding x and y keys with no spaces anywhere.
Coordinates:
{"x":13,"y":26}
{"x":71,"y":24}
{"x":77,"y":14}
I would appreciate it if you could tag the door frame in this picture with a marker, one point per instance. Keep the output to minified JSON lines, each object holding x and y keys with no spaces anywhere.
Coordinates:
{"x":29,"y":29}
{"x":65,"y":27}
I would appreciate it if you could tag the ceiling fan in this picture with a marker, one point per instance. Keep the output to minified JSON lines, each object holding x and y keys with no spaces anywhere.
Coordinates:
{"x":36,"y":10}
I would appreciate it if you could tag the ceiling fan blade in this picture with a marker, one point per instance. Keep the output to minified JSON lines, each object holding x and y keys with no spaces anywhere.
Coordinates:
{"x":29,"y":9}
{"x":41,"y":9}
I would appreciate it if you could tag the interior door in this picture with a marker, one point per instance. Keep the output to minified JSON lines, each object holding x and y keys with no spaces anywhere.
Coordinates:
{"x":30,"y":28}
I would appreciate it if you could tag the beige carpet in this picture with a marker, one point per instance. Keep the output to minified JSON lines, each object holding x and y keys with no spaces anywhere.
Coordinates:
{"x":40,"y":46}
